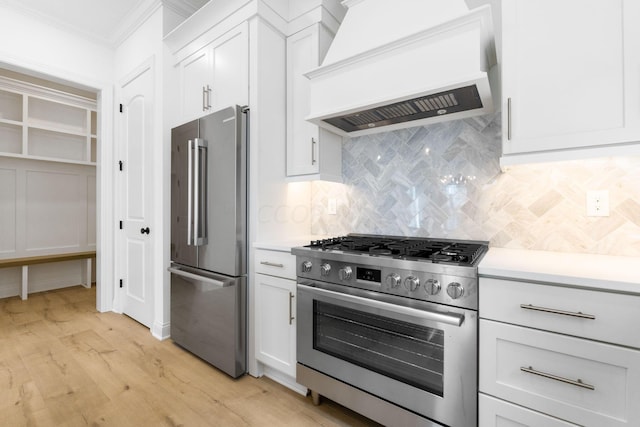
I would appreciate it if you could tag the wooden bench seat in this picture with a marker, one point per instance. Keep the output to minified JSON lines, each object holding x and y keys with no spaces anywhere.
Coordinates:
{"x":25,"y":262}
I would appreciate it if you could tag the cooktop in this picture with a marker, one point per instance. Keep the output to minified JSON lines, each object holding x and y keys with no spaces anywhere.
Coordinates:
{"x":449,"y":251}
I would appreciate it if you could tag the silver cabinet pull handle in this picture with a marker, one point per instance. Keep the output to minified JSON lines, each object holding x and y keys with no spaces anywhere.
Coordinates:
{"x":206,"y":98}
{"x":272,"y":264}
{"x":577,"y":383}
{"x":561,"y":312}
{"x":313,"y":151}
{"x":509,"y":119}
{"x":291,"y":318}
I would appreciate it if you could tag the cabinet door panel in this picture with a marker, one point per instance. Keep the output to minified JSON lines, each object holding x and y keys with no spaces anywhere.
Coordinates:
{"x":578,"y":380}
{"x":276,"y":332}
{"x":276,"y":263}
{"x":302,"y":57}
{"x":195,"y":75}
{"x":596,"y":315}
{"x":312,"y":153}
{"x":494,"y":412}
{"x":569,"y":74}
{"x":230,"y":57}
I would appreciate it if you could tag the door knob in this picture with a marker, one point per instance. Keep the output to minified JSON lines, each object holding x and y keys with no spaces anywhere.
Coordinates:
{"x":144,"y":230}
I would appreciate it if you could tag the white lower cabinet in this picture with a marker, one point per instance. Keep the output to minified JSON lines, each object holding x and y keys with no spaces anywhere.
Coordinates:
{"x":275,"y":287}
{"x":499,"y":413}
{"x":276,"y":327}
{"x":578,"y":380}
{"x":529,"y":371}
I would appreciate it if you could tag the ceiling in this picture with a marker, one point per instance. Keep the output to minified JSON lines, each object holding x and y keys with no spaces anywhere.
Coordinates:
{"x":105,"y":21}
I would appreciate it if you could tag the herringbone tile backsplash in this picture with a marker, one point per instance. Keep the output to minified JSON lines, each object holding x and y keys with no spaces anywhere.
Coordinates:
{"x":444,"y":180}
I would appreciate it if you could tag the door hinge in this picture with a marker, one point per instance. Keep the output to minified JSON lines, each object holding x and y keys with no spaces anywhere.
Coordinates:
{"x":120,"y":164}
{"x":121,"y":108}
{"x":120,"y":282}
{"x":120,"y":225}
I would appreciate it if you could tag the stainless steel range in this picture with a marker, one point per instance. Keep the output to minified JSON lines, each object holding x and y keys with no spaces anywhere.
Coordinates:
{"x":388,"y":326}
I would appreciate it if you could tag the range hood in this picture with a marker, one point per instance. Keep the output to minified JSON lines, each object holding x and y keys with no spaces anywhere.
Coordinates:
{"x":403,"y":63}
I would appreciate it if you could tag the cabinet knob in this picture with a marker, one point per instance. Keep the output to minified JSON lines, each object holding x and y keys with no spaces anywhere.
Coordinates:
{"x":145,"y":230}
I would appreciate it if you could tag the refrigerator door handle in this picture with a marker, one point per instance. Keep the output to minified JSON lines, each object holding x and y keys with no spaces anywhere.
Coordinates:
{"x":204,"y":279}
{"x":200,"y":193}
{"x":190,"y":193}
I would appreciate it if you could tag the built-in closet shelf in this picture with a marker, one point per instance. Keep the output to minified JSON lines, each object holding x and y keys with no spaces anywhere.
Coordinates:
{"x":44,"y":124}
{"x":48,"y":159}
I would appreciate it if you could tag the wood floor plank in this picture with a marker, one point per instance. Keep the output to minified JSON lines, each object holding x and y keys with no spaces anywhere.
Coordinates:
{"x":64,"y":364}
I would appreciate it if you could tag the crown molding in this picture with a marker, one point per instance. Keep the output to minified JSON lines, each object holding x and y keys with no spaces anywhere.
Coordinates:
{"x":132,"y":20}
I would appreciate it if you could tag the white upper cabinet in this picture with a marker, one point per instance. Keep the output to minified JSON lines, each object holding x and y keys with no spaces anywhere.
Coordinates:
{"x":571,"y":79}
{"x":216,"y":75}
{"x":196,"y":77}
{"x":312,"y":153}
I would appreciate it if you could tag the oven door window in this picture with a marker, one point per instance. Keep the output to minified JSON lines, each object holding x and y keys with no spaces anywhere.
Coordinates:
{"x":409,"y":353}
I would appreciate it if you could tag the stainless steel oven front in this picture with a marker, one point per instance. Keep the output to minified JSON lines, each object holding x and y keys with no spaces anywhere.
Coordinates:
{"x":418,"y":355}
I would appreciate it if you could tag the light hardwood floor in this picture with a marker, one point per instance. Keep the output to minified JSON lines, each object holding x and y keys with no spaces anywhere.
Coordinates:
{"x":64,"y":364}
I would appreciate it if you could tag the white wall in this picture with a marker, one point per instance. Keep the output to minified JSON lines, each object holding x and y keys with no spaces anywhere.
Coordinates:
{"x":31,"y":45}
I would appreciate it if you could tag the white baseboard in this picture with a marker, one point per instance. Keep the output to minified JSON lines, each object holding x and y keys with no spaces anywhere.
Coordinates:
{"x":284,"y":379}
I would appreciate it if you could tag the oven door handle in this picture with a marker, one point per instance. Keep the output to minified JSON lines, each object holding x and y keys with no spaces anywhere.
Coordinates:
{"x":454,"y":319}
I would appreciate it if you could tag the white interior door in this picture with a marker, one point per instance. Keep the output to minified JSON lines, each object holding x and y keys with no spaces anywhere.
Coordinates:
{"x":135,"y":241}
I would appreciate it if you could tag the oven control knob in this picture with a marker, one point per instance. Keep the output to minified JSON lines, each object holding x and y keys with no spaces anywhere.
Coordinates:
{"x":432,"y":286}
{"x":455,"y":290}
{"x":411,"y":283}
{"x":393,"y":281}
{"x":325,"y":269}
{"x":306,"y":266}
{"x":345,"y":273}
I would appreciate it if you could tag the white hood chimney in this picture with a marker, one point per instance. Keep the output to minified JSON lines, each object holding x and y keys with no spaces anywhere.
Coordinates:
{"x":402,"y":63}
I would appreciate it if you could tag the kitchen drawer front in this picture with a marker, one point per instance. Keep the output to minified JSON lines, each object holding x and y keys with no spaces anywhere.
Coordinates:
{"x":554,"y":373}
{"x":494,"y":412}
{"x":276,"y":263}
{"x":584,"y":313}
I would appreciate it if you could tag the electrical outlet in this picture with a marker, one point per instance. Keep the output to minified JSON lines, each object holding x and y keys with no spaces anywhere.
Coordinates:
{"x":332,"y":206}
{"x":598,"y":203}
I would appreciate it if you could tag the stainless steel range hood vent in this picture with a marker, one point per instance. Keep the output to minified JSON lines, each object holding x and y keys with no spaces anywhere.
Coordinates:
{"x":403,"y":63}
{"x":453,"y":101}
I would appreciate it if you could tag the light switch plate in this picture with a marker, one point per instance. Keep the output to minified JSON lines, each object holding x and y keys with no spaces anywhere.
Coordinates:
{"x":332,"y":206}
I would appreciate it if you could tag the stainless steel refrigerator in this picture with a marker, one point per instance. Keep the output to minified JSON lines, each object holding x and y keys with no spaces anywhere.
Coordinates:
{"x":209,"y":238}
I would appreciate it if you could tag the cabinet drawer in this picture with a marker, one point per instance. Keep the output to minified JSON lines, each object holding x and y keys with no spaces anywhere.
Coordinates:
{"x":584,"y":313}
{"x":581,"y":381}
{"x":494,"y":412}
{"x":276,"y":263}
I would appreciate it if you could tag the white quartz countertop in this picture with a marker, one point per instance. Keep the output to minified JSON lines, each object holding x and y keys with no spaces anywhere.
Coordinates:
{"x":614,"y":273}
{"x":286,"y":245}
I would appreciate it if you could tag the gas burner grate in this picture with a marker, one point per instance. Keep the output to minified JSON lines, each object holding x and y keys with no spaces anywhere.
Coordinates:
{"x":411,"y":248}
